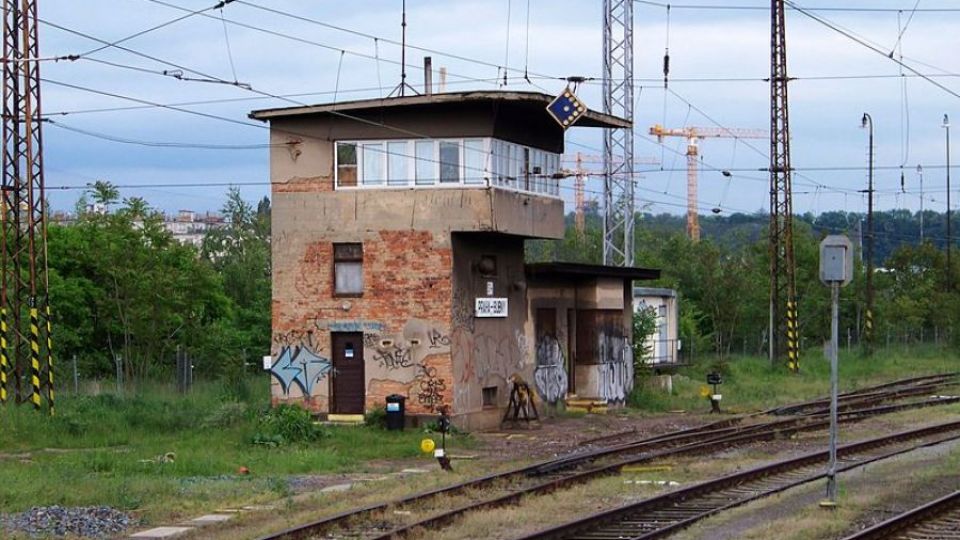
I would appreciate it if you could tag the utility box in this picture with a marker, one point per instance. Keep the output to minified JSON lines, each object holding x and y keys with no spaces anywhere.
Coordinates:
{"x":396,"y":413}
{"x":836,"y":260}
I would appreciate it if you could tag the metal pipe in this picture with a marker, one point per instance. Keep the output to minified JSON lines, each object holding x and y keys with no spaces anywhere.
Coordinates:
{"x":920,"y":172}
{"x":867,"y":122}
{"x":946,"y":125}
{"x":834,"y":383}
{"x":427,"y":75}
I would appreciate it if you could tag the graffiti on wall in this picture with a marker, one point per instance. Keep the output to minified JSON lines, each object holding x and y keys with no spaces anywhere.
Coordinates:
{"x":615,"y":371}
{"x":431,"y":388}
{"x":463,"y":311}
{"x":300,"y":366}
{"x":351,"y":326}
{"x":494,"y":357}
{"x":550,"y":375}
{"x":437,"y":339}
{"x":295,"y":338}
{"x":522,"y":346}
{"x":393,"y":356}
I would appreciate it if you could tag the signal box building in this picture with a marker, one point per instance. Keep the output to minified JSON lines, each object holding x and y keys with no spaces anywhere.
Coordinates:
{"x":398,"y":260}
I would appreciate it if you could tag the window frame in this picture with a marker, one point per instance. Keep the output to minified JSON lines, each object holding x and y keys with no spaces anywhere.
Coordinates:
{"x":502,"y":166}
{"x":346,"y":259}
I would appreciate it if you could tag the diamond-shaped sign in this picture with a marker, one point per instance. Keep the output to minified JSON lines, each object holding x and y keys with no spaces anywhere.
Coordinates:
{"x":566,"y":109}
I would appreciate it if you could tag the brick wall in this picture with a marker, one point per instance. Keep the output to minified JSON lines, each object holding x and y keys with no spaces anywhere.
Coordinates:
{"x":404,"y":315}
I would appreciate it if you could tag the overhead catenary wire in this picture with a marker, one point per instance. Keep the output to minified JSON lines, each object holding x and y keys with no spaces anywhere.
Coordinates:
{"x":433,"y":51}
{"x":865,"y":43}
{"x":744,"y":7}
{"x":656,"y":171}
{"x":637,"y":171}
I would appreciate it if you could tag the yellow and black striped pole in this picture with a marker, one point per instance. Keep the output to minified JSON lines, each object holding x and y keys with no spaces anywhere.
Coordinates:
{"x":868,"y":330}
{"x":793,"y":335}
{"x":35,"y":357}
{"x":4,"y":361}
{"x":49,"y":363}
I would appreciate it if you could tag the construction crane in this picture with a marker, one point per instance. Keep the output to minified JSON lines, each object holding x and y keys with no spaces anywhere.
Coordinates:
{"x":580,"y":174}
{"x":693,"y":136}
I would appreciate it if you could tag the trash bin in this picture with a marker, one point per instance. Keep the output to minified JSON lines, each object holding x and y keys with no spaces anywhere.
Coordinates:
{"x":395,"y":411}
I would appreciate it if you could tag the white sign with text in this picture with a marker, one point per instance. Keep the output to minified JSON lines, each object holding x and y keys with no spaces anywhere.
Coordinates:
{"x":491,"y":307}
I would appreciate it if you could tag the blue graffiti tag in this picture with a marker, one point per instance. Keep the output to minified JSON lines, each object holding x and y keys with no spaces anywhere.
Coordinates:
{"x":355,"y":326}
{"x":300,"y":366}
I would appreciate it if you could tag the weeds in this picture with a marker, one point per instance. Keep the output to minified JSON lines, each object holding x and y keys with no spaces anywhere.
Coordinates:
{"x":287,"y":424}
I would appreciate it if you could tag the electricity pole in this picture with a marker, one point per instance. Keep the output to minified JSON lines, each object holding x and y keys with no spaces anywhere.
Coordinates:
{"x":920,"y":174}
{"x":946,"y":125}
{"x":867,"y":122}
{"x":24,"y":301}
{"x":618,"y":192}
{"x":784,"y":330}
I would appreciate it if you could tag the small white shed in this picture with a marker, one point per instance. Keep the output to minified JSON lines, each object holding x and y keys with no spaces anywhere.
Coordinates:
{"x":666,"y":338}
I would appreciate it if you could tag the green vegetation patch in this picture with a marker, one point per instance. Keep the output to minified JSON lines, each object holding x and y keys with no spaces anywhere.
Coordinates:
{"x":168,"y":456}
{"x":751,"y":384}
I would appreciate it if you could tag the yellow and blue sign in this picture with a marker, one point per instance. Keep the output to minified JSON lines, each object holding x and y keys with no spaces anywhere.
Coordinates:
{"x":567,"y":108}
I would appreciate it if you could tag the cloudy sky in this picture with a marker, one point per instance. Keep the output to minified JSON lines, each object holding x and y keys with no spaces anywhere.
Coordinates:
{"x":719,"y":58}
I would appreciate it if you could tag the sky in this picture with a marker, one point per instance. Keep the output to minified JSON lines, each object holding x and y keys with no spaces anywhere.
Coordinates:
{"x":718,"y":60}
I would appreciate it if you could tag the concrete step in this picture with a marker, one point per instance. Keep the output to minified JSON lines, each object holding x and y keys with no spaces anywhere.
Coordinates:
{"x":590,"y":406}
{"x":345,"y":419}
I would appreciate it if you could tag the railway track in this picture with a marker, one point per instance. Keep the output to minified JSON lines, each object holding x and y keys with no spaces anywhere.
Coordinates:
{"x":938,"y":520}
{"x":663,"y":515}
{"x":399,"y":518}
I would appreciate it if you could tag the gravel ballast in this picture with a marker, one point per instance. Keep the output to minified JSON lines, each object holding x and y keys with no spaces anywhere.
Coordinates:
{"x":52,"y":521}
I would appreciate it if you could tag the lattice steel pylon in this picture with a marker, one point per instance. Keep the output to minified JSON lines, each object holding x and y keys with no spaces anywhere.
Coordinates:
{"x":618,"y":192}
{"x":25,"y":343}
{"x":784,"y":331}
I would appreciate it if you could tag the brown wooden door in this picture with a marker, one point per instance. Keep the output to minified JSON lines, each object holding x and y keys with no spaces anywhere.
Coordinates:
{"x":348,"y":391}
{"x":546,"y":323}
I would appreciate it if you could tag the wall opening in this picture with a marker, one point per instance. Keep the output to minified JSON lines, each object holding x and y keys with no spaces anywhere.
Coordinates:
{"x":490,"y":396}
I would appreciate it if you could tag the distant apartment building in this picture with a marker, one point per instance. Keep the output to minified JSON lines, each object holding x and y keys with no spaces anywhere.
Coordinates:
{"x":190,"y":227}
{"x":186,"y":226}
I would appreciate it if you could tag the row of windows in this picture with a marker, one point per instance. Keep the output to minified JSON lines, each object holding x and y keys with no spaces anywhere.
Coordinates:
{"x":418,"y":162}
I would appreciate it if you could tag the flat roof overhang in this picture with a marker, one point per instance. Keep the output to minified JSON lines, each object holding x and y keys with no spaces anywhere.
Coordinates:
{"x":586,"y":271}
{"x":526,"y":99}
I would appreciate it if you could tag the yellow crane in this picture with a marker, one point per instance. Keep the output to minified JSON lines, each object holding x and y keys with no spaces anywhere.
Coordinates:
{"x":693,"y":136}
{"x":580,"y":174}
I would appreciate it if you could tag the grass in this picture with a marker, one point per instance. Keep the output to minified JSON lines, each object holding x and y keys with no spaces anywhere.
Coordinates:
{"x":103,"y":450}
{"x":750,"y":384}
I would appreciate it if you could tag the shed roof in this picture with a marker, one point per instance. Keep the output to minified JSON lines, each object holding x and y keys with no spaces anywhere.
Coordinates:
{"x":531,"y":99}
{"x":654,"y":291}
{"x":580,"y":270}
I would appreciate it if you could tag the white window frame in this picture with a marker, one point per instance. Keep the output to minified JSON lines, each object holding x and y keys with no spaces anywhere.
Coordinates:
{"x":502,"y":164}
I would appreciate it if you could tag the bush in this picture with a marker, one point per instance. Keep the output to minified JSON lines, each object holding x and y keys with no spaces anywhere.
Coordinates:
{"x":227,"y":415}
{"x":376,"y":418}
{"x":287,"y":424}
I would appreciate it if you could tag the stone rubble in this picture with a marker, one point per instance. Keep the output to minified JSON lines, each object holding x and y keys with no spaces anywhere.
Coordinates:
{"x":59,"y":521}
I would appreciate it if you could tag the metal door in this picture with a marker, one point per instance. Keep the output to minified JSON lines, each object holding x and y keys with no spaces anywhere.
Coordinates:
{"x":348,"y":390}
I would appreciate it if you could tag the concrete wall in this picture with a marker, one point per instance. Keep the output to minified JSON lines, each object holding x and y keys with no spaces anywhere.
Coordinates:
{"x":555,"y":354}
{"x":487,"y":351}
{"x":604,"y":369}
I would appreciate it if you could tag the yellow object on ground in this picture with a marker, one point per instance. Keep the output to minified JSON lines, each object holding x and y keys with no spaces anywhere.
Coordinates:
{"x":645,"y":468}
{"x":427,"y":446}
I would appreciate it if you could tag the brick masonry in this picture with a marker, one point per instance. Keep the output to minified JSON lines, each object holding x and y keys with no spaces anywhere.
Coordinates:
{"x":404,"y":315}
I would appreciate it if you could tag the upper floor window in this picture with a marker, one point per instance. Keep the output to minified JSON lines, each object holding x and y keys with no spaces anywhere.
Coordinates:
{"x":348,"y":269}
{"x":446,"y":162}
